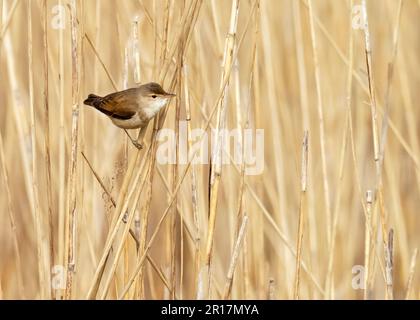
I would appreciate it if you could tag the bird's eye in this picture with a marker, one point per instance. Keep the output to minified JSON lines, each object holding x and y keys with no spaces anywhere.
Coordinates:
{"x":154,"y":96}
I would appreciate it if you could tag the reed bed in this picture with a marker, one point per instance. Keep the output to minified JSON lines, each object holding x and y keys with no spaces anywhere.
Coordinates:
{"x":332,"y":215}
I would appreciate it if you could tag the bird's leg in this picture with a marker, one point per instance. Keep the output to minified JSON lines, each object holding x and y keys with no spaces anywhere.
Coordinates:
{"x":134,"y":142}
{"x":141,"y":135}
{"x":139,"y":142}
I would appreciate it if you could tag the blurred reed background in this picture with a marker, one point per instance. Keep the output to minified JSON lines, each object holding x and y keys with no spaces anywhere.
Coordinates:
{"x":79,"y":202}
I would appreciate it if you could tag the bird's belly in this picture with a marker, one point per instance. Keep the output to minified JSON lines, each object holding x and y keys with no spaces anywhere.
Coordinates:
{"x":134,"y":122}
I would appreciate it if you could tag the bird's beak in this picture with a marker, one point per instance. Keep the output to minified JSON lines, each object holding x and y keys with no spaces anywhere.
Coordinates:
{"x":170,"y":95}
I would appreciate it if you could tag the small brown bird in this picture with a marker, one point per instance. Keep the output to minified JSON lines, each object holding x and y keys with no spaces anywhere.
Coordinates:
{"x":132,"y":108}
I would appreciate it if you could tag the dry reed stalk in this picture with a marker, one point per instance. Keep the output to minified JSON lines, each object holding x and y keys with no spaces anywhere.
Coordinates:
{"x":71,"y":217}
{"x":187,"y":224}
{"x":62,"y":158}
{"x":252,"y":88}
{"x":155,"y":47}
{"x":257,"y":229}
{"x":7,"y":19}
{"x":123,"y":192}
{"x":365,"y":88}
{"x":158,"y":122}
{"x":136,"y":231}
{"x":146,"y":208}
{"x":411,"y":124}
{"x":126,"y":72}
{"x":47,"y":156}
{"x":390,"y":265}
{"x":360,"y":81}
{"x":411,"y":127}
{"x":97,"y":11}
{"x":184,"y":28}
{"x":170,"y":226}
{"x":268,"y":87}
{"x":384,"y":128}
{"x":132,"y":233}
{"x":329,"y":283}
{"x":181,"y":178}
{"x":216,"y":24}
{"x":21,"y":119}
{"x":268,"y":216}
{"x":240,"y":125}
{"x":216,"y":168}
{"x":246,"y":269}
{"x":234,"y":258}
{"x":147,"y":14}
{"x":175,"y":172}
{"x":372,"y":96}
{"x":11,"y":212}
{"x":41,"y":254}
{"x":105,"y":189}
{"x":368,"y":244}
{"x":367,"y":207}
{"x":144,"y":250}
{"x":277,"y":89}
{"x":136,"y":50}
{"x":300,"y":56}
{"x":302,"y":209}
{"x":120,"y":212}
{"x":86,"y":36}
{"x":128,"y":176}
{"x":120,"y":246}
{"x":165,"y":30}
{"x":400,"y":224}
{"x":306,"y":124}
{"x":370,"y":232}
{"x":172,"y":234}
{"x":389,"y":260}
{"x":194,"y":193}
{"x":321,"y":122}
{"x":166,"y":211}
{"x":411,"y":274}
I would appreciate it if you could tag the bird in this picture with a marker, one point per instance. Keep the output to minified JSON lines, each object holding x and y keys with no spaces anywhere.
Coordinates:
{"x":132,"y":108}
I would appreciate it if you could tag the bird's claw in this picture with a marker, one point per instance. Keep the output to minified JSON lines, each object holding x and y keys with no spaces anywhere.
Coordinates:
{"x":138,"y":145}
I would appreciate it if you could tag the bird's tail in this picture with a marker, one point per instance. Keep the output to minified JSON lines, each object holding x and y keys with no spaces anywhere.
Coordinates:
{"x":92,"y":100}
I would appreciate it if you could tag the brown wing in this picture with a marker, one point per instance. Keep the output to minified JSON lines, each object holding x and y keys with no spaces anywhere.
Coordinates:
{"x":119,"y":105}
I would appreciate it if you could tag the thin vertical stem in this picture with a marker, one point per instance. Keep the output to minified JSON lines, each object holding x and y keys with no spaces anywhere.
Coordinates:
{"x":321,"y":124}
{"x":216,"y":168}
{"x":47,"y":155}
{"x":62,"y":155}
{"x":375,"y":137}
{"x":411,"y":274}
{"x":390,"y":266}
{"x":194,"y":191}
{"x":234,"y":258}
{"x":11,"y":212}
{"x":303,"y":189}
{"x":41,"y":254}
{"x":71,"y":219}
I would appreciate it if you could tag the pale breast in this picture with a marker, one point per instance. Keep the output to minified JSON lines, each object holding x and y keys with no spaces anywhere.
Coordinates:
{"x":143,"y":115}
{"x":153,"y":108}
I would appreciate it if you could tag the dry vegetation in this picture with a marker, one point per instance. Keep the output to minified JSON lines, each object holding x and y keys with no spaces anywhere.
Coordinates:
{"x":75,"y":193}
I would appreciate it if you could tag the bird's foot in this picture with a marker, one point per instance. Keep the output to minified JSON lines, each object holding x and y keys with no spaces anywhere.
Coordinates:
{"x":138,"y":145}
